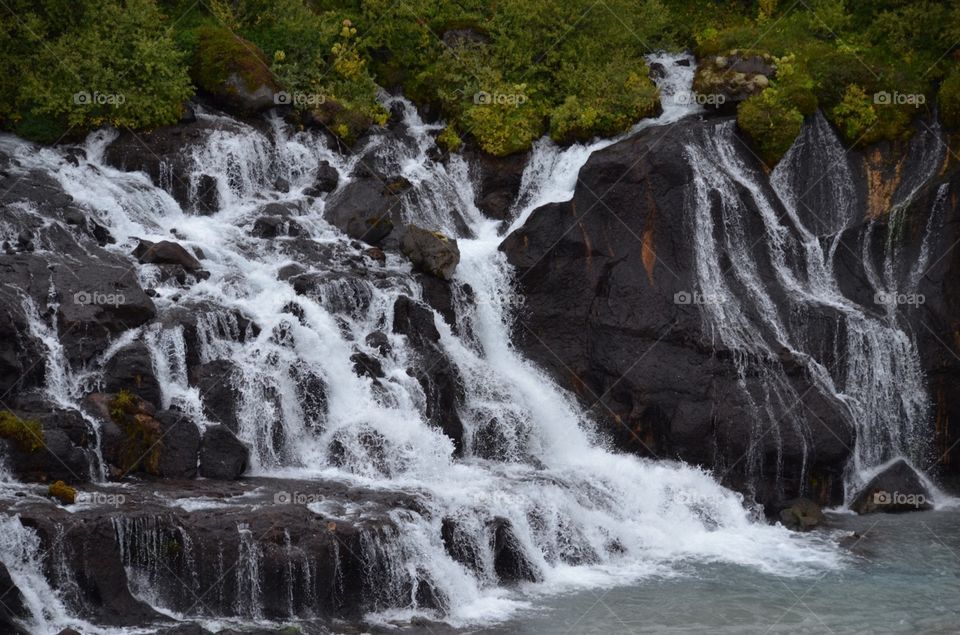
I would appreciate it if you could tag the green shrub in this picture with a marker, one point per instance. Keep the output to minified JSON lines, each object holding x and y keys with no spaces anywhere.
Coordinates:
{"x":855,"y":115}
{"x":115,"y":65}
{"x":771,"y":123}
{"x":949,"y":99}
{"x":27,"y":434}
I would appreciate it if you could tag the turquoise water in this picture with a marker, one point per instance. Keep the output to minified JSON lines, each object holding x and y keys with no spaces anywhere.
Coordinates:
{"x":902,"y":576}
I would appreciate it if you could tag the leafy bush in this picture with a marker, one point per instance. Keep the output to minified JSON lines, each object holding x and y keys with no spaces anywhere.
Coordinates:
{"x":771,"y":123}
{"x":110,"y":63}
{"x":949,"y":99}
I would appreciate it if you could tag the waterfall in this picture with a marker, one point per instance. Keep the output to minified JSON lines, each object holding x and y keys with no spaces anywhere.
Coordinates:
{"x":873,"y":371}
{"x":534,"y":474}
{"x":23,"y":557}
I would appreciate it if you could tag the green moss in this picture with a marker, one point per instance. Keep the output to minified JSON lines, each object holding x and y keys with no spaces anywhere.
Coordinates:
{"x":222,"y":54}
{"x":26,"y":433}
{"x":62,"y":492}
{"x":142,"y":443}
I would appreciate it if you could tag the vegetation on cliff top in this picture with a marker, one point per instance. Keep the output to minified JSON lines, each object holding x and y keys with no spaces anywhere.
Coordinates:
{"x":501,"y":73}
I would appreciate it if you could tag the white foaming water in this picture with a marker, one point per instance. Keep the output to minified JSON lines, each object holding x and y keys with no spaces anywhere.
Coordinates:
{"x":580,"y":515}
{"x":21,"y":554}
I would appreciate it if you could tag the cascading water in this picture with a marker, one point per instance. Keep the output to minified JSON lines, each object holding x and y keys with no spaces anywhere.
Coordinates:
{"x":873,"y":370}
{"x":577,"y":513}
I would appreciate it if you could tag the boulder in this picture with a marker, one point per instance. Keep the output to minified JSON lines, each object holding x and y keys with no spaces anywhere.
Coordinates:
{"x":63,"y":451}
{"x":274,"y":226}
{"x":165,"y":252}
{"x":222,"y":455}
{"x":12,"y":606}
{"x":897,"y":488}
{"x":607,"y":311}
{"x":180,"y":439}
{"x":326,"y":180}
{"x":726,"y":80}
{"x":233,"y":71}
{"x":440,"y":380}
{"x":801,"y":514}
{"x":509,"y":561}
{"x":430,"y":252}
{"x":216,"y":382}
{"x":131,"y":368}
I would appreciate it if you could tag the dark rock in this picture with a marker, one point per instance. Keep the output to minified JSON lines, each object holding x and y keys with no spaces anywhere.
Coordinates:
{"x":326,"y":180}
{"x":600,"y":278}
{"x":222,"y":455}
{"x":131,"y":368}
{"x":207,"y":197}
{"x":509,"y":561}
{"x":12,"y":606}
{"x":67,"y":447}
{"x":274,"y":226}
{"x":430,"y":252}
{"x":898,"y":488}
{"x":216,"y":383}
{"x":364,"y":211}
{"x":180,"y":444}
{"x":281,"y":185}
{"x":165,"y":252}
{"x":801,"y":514}
{"x":497,"y":182}
{"x":379,"y":341}
{"x":365,"y":365}
{"x":441,"y":382}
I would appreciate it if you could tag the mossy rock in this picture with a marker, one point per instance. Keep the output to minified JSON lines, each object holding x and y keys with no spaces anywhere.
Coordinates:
{"x":233,"y":71}
{"x":63,"y":492}
{"x":27,"y":434}
{"x":142,"y":434}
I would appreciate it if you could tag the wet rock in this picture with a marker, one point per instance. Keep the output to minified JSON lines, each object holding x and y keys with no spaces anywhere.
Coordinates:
{"x":594,"y":290}
{"x":233,"y":72}
{"x":12,"y":606}
{"x":365,"y":365}
{"x":729,"y":80}
{"x":430,"y":251}
{"x":131,"y":368}
{"x":801,"y":514}
{"x":326,"y":180}
{"x":379,"y":341}
{"x":509,"y":561}
{"x":898,"y":488}
{"x":274,"y":226}
{"x":438,"y":377}
{"x":497,"y":182}
{"x":364,"y":211}
{"x":63,"y":454}
{"x":207,"y":198}
{"x":180,"y":440}
{"x":460,"y":545}
{"x":165,"y":252}
{"x":222,"y":455}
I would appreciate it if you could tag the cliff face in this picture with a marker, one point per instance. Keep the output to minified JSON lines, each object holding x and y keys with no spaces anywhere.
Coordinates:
{"x":709,"y":311}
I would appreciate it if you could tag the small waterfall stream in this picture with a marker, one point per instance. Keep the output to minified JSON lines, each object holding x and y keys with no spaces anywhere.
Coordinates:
{"x":580,"y":514}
